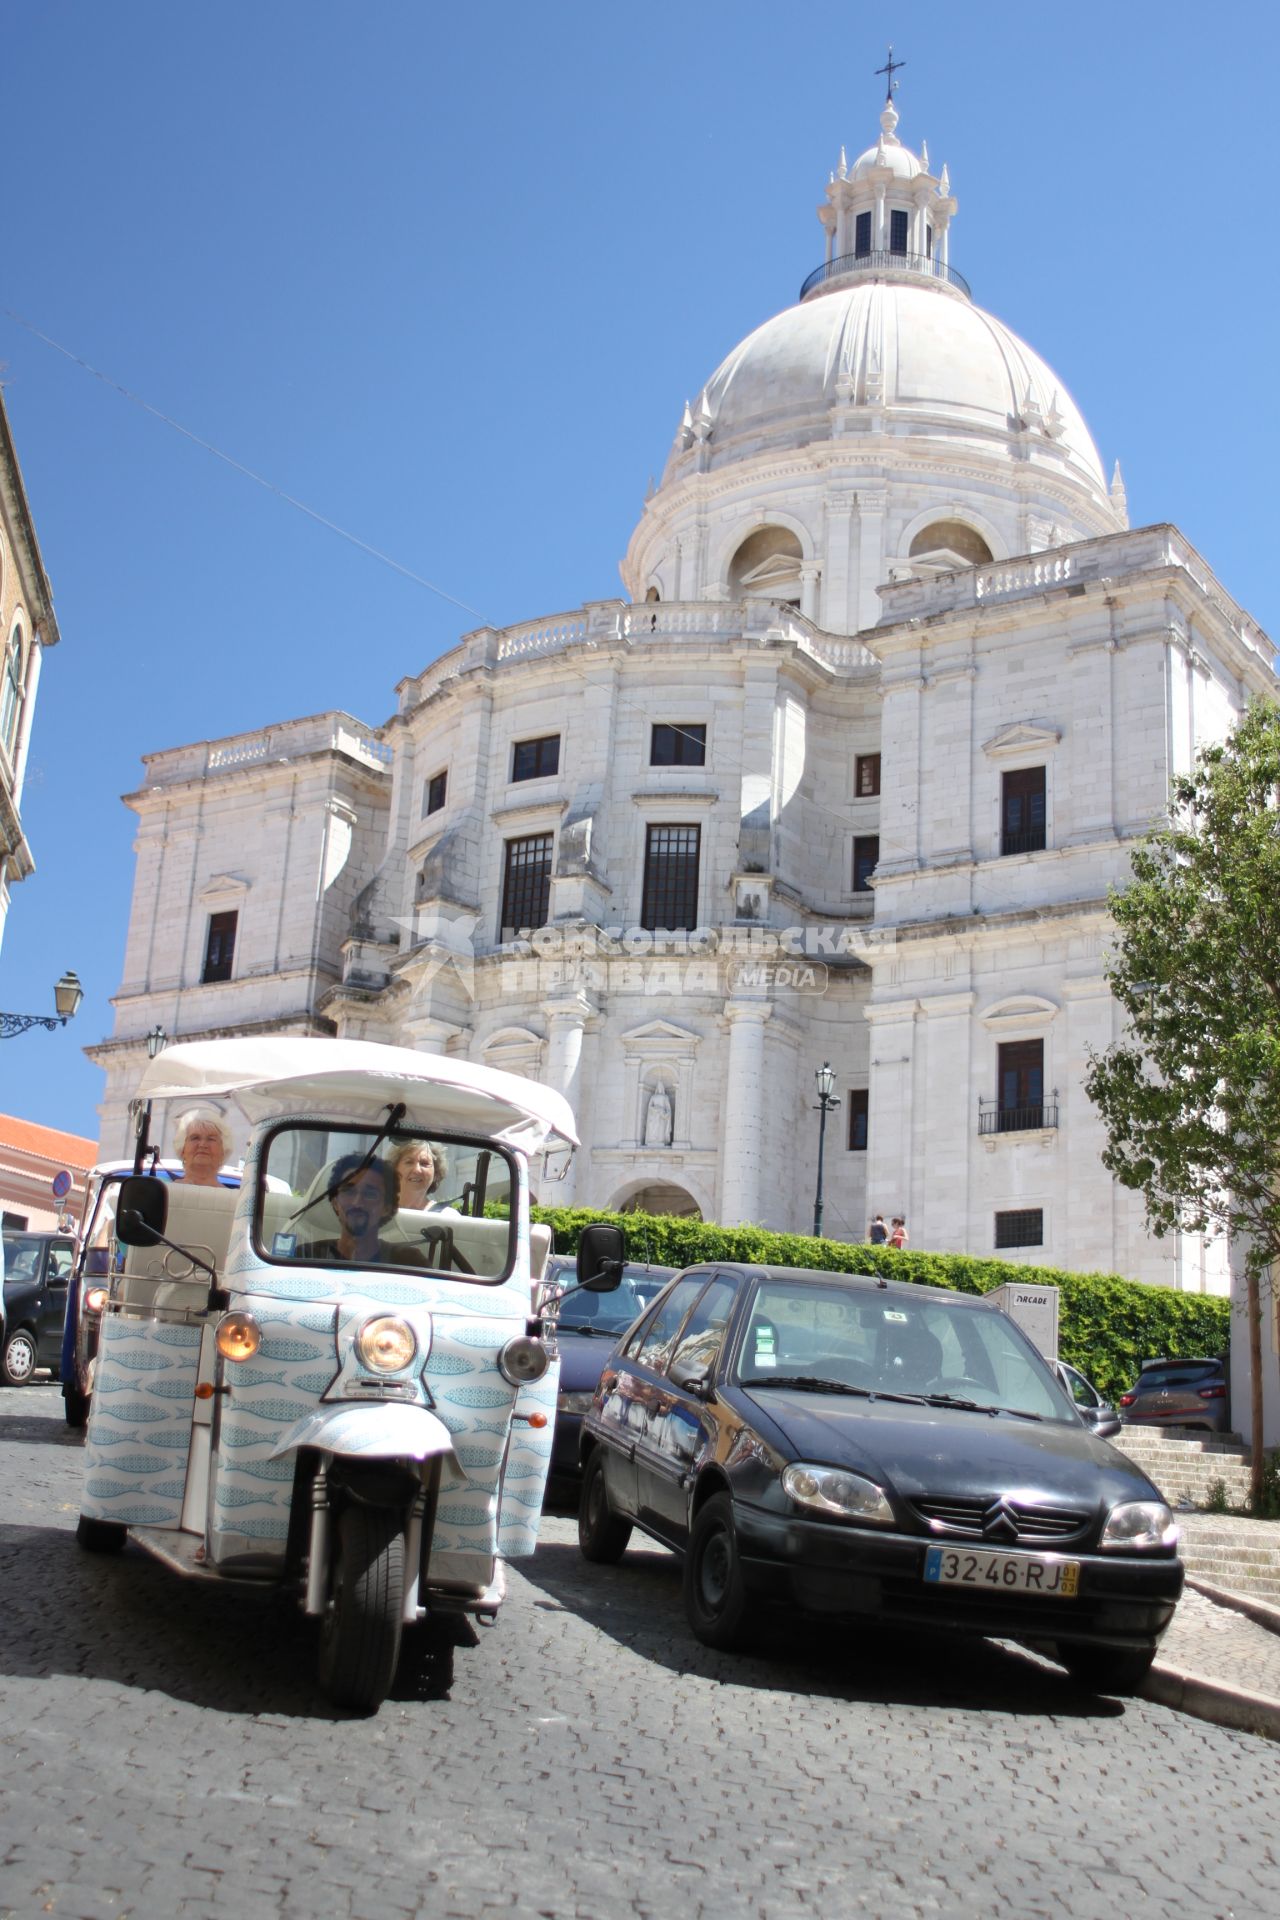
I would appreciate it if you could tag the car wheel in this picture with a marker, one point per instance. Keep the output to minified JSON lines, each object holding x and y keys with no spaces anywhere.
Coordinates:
{"x":715,"y":1593}
{"x":1108,"y":1669}
{"x":18,"y":1362}
{"x":100,"y":1536}
{"x":602,"y":1536}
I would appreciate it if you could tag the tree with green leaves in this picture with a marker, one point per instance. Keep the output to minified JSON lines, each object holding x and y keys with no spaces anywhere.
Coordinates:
{"x":1190,"y":1093}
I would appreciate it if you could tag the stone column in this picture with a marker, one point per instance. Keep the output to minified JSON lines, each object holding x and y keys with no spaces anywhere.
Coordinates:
{"x":810,"y":573}
{"x":745,"y":1104}
{"x":946,"y":1133}
{"x":566,"y":1018}
{"x":425,"y":1034}
{"x":891,"y":1129}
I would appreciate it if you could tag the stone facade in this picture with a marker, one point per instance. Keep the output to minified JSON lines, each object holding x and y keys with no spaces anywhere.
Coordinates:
{"x":845,"y":779}
{"x":27,"y":627}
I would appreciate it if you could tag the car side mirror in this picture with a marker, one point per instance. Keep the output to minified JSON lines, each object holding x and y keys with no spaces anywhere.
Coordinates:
{"x":601,"y":1253}
{"x":141,"y":1210}
{"x":691,"y":1375}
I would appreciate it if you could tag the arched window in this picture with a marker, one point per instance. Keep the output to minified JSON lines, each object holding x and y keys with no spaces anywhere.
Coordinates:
{"x":11,"y":690}
{"x":952,"y":537}
{"x":767,"y":567}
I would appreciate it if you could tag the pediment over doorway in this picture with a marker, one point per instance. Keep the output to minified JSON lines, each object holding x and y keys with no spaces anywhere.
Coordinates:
{"x":1024,"y":736}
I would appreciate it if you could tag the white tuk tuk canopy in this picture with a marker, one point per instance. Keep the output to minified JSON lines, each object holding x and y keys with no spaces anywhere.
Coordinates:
{"x":270,"y":1075}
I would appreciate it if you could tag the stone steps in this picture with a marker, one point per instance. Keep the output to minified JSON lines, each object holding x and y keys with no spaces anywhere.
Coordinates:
{"x":1241,"y":1555}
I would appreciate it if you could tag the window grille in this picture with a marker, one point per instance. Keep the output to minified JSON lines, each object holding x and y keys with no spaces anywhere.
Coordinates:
{"x":867,"y":775}
{"x":862,"y":235}
{"x":433,"y":793}
{"x":1023,"y":1227}
{"x":859,"y":1101}
{"x":671,"y":878}
{"x":526,"y":884}
{"x":898,"y":226}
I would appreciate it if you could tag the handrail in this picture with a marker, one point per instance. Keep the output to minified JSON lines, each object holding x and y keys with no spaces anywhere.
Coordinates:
{"x":883,"y":260}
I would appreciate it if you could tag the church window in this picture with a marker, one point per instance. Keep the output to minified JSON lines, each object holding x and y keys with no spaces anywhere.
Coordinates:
{"x":536,"y":759}
{"x":673,"y":746}
{"x":866,"y":858}
{"x":767,"y":567}
{"x":11,"y":690}
{"x":1020,"y":1086}
{"x":899,"y":223}
{"x":1022,"y":1227}
{"x":1022,"y":811}
{"x":219,"y":947}
{"x":928,"y":243}
{"x":670,"y":898}
{"x":862,"y":235}
{"x":433,"y":792}
{"x":859,"y":1103}
{"x":867,"y":776}
{"x":953,"y":537}
{"x":526,"y":884}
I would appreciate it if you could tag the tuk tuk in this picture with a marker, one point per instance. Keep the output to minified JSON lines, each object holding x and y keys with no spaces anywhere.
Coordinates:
{"x":305,"y":1383}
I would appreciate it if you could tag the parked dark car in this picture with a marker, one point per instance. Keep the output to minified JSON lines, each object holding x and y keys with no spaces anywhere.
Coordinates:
{"x":853,"y":1447}
{"x":588,"y":1329}
{"x":1097,"y":1413}
{"x":1179,"y":1393}
{"x":37,"y":1268}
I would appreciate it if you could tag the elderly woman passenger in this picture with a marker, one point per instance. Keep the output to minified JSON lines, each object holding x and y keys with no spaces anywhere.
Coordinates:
{"x":419,"y":1168}
{"x":203,"y":1142}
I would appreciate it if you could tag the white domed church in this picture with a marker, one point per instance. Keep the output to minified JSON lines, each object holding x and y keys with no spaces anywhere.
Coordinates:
{"x":844,"y":779}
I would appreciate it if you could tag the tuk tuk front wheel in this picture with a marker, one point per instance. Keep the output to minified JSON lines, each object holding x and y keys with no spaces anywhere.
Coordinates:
{"x":360,"y":1630}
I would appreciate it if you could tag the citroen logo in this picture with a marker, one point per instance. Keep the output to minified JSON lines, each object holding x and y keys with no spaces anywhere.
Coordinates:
{"x":1000,"y":1521}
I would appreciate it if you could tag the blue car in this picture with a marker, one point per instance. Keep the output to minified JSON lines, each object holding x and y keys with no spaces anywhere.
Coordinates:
{"x":589,"y":1328}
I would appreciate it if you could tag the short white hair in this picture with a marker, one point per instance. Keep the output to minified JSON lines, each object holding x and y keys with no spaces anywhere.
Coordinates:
{"x":205,"y":1117}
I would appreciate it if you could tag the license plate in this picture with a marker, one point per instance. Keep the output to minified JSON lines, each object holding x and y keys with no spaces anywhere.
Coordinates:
{"x":1003,"y":1572}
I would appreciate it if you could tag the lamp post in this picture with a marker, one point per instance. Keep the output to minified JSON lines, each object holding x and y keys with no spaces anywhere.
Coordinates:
{"x":67,"y":995}
{"x":157,"y":1041}
{"x":827,"y":1103}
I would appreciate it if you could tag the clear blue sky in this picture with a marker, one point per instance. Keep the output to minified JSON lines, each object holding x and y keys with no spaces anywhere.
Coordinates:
{"x":448,"y":274}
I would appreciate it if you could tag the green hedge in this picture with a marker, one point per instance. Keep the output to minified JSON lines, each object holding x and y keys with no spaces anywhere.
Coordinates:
{"x":1106,"y":1326}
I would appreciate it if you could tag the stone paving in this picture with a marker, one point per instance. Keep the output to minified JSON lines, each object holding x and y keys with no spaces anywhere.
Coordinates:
{"x":165,"y":1753}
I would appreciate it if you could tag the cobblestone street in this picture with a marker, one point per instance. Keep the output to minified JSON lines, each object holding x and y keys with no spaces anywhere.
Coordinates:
{"x":165,"y":1752}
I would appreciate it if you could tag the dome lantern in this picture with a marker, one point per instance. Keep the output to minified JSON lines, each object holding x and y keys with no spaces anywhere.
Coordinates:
{"x":885,"y":216}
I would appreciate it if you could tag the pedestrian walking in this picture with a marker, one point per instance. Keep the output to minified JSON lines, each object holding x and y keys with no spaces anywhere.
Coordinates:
{"x":877,"y":1232}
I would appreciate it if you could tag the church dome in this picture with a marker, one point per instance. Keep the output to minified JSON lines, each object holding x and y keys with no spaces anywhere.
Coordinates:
{"x":939,"y":367}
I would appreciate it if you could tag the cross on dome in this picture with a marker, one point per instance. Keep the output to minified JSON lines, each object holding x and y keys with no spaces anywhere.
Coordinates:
{"x":890,"y":67}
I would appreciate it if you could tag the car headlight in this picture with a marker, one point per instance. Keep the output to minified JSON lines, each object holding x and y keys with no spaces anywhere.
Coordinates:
{"x":237,"y":1336}
{"x":832,"y":1490}
{"x":1140,"y":1523}
{"x":574,"y":1402}
{"x":386,"y":1345}
{"x":523,"y":1360}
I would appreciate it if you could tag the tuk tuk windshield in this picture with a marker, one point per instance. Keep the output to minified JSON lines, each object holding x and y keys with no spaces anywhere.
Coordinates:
{"x":342,"y":1196}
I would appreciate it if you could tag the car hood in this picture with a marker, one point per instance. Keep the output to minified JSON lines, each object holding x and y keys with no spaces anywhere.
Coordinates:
{"x":582,"y":1358}
{"x":934,"y":1452}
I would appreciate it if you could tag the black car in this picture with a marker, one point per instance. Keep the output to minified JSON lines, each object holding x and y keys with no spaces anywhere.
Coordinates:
{"x":1179,"y":1393}
{"x":853,"y":1447}
{"x":37,"y":1267}
{"x":1089,"y":1403}
{"x":588,"y":1328}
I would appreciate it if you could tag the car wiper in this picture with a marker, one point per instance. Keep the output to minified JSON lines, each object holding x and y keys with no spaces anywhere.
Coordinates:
{"x":592,"y":1332}
{"x":809,"y":1383}
{"x":976,"y":1406}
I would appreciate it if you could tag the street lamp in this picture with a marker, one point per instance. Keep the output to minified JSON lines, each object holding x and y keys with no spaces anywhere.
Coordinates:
{"x":827,"y":1103}
{"x":67,"y":995}
{"x":157,"y":1041}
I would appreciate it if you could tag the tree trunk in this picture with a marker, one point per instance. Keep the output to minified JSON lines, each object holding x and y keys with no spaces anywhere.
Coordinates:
{"x":1253,"y":1298}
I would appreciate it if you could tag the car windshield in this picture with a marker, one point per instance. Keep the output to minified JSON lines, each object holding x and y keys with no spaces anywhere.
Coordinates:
{"x":346,"y":1196}
{"x":610,"y":1313}
{"x":891,"y":1343}
{"x":1178,"y":1375}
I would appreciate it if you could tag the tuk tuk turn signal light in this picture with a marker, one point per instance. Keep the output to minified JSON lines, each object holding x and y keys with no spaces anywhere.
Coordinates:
{"x":238,"y":1336}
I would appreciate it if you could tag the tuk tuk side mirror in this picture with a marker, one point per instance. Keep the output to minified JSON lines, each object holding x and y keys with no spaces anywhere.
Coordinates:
{"x":141,"y":1210}
{"x":601,"y":1253}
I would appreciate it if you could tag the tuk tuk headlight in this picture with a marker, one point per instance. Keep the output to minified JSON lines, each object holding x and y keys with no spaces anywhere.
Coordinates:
{"x":237,"y":1336}
{"x":95,"y":1299}
{"x":523,"y":1360}
{"x":386,"y":1345}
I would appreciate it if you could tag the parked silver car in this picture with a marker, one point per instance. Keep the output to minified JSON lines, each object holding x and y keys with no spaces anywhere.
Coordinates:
{"x":1179,"y":1393}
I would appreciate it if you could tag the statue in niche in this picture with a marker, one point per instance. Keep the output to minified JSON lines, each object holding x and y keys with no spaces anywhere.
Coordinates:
{"x":659,"y":1117}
